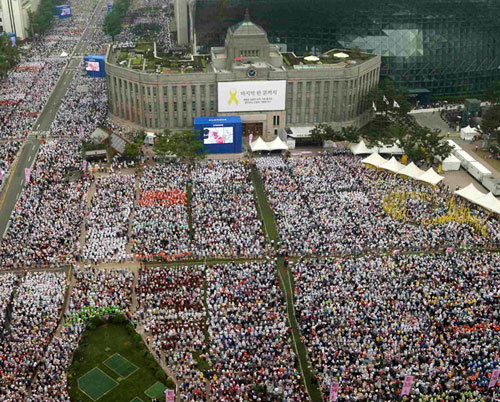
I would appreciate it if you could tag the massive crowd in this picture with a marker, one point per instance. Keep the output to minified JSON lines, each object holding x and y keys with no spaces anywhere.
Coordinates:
{"x":40,"y":68}
{"x":45,"y":224}
{"x":160,"y":227}
{"x":107,"y":223}
{"x":171,"y":312}
{"x":36,"y":308}
{"x":250,"y":349}
{"x":332,"y":204}
{"x":369,"y":322}
{"x":94,"y":293}
{"x":225,"y":220}
{"x":83,"y":108}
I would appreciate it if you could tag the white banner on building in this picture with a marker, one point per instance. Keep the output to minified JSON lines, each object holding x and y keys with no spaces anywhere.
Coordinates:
{"x":251,"y":96}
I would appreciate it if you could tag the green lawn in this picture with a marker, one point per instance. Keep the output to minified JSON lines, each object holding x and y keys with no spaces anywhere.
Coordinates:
{"x":111,"y":340}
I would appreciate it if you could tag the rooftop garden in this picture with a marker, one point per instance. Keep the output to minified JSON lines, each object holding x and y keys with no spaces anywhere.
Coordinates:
{"x":142,"y":58}
{"x":334,"y":56}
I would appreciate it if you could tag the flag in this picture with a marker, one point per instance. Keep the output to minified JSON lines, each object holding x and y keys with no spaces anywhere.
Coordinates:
{"x":374,"y":107}
{"x":386,"y":100}
{"x":396,"y":104}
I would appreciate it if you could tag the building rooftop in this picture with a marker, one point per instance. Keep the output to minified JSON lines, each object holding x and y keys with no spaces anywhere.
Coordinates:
{"x":335,"y":58}
{"x":143,"y":56}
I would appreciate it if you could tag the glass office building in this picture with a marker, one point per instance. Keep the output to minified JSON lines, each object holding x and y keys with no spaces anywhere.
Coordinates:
{"x":449,"y":47}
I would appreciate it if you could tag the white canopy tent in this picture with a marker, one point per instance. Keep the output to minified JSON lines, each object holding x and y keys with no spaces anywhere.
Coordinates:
{"x":341,"y":55}
{"x":259,"y":145}
{"x":490,"y":202}
{"x":375,"y":160}
{"x":450,"y":163}
{"x":392,"y":165}
{"x":468,"y":133}
{"x":431,"y":177}
{"x":277,"y":145}
{"x":412,"y":171}
{"x":470,"y":193}
{"x":361,"y":148}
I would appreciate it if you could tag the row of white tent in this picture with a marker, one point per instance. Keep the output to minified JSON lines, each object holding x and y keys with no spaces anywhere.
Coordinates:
{"x":411,"y":170}
{"x":361,"y":149}
{"x":488,"y":201}
{"x":275,"y":145}
{"x":450,"y":163}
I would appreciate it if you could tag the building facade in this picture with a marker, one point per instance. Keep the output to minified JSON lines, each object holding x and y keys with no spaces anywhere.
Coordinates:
{"x":250,"y":78}
{"x":449,"y":47}
{"x":14,"y":16}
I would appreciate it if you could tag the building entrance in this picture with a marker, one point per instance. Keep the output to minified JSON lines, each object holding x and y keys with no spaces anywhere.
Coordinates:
{"x":252,"y":128}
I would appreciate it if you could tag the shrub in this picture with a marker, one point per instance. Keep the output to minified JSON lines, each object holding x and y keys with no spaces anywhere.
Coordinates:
{"x":119,"y":319}
{"x":170,"y":383}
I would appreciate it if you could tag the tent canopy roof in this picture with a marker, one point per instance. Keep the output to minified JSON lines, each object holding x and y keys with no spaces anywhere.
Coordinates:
{"x":431,"y":177}
{"x":470,"y":192}
{"x":392,"y":165}
{"x":375,"y":160}
{"x":412,"y":171}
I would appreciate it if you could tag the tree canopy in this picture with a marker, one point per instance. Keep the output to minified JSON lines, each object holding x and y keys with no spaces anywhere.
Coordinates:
{"x":490,"y":124}
{"x":113,"y":21}
{"x":183,"y":144}
{"x":9,"y":55}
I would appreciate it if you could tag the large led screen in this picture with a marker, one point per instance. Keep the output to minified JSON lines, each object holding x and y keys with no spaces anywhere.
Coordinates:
{"x":218,"y":135}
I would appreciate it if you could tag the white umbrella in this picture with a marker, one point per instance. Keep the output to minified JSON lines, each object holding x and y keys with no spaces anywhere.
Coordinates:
{"x":341,"y":55}
{"x":311,"y":58}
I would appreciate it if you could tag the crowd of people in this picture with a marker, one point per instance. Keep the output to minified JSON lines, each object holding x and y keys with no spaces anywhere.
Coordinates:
{"x":108,"y":219}
{"x":333,"y":205}
{"x":7,"y":285}
{"x":83,"y":108}
{"x":170,"y":310}
{"x":225,"y":220}
{"x":40,"y":68}
{"x":35,"y":311}
{"x":160,"y":226}
{"x":250,"y":351}
{"x":45,"y":224}
{"x":93,"y":289}
{"x":371,"y":321}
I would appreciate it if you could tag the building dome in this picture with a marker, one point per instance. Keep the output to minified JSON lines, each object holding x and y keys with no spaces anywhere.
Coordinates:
{"x":246,"y":28}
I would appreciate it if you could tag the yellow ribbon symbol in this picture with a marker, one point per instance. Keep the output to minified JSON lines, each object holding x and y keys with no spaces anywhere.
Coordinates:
{"x":233,"y":97}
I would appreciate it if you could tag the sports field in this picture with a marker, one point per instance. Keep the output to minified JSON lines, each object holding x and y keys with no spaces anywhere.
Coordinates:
{"x":111,"y":364}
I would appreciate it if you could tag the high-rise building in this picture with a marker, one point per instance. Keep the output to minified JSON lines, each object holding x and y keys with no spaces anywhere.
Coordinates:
{"x":14,"y":16}
{"x":446,"y":46}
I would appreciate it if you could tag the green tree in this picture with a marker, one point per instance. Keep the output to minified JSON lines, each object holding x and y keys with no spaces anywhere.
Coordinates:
{"x":423,"y":143}
{"x":42,"y":18}
{"x":493,"y":93}
{"x":9,"y":55}
{"x":183,"y":144}
{"x":132,"y":151}
{"x":350,"y":134}
{"x":490,"y":124}
{"x":112,"y":24}
{"x":323,"y":132}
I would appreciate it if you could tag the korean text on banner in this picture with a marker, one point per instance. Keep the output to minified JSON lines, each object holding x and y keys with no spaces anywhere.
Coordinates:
{"x":407,"y":385}
{"x":334,"y":391}
{"x":251,"y":96}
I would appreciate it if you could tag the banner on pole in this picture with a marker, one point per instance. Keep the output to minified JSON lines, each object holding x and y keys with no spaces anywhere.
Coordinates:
{"x":334,"y":391}
{"x":169,"y":395}
{"x":27,"y":174}
{"x":407,"y":385}
{"x":84,"y":165}
{"x":494,"y":378}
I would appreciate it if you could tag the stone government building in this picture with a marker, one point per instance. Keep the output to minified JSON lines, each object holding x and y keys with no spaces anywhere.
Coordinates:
{"x":169,"y":92}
